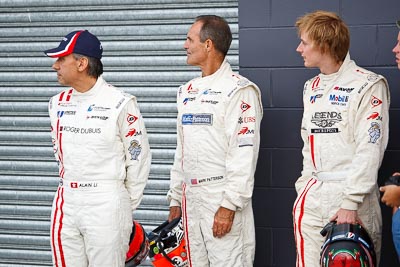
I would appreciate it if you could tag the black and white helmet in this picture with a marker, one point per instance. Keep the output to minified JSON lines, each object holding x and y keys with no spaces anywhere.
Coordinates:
{"x":168,"y":245}
{"x":347,"y":245}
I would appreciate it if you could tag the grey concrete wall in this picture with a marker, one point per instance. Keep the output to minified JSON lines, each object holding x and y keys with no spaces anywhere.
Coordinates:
{"x":267,"y":44}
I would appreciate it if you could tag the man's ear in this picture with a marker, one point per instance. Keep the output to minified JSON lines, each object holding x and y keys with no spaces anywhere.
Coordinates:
{"x":83,"y":63}
{"x":209,"y":45}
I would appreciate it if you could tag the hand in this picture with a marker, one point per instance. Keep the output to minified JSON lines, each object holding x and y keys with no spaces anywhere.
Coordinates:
{"x":174,"y":212}
{"x":391,"y":195}
{"x":223,"y":221}
{"x":346,"y":216}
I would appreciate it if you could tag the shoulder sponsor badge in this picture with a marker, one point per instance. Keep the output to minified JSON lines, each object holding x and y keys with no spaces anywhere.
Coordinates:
{"x":131,"y":119}
{"x":375,"y":101}
{"x":244,"y":106}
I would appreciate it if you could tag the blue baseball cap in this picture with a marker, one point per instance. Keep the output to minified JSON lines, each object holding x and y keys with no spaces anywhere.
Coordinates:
{"x":80,"y":42}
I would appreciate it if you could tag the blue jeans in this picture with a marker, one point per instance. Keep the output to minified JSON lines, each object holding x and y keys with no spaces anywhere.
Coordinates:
{"x":396,"y":231}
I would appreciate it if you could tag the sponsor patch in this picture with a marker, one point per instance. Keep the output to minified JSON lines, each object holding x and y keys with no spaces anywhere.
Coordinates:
{"x":313,"y":98}
{"x":326,"y":119}
{"x":135,"y":149}
{"x":350,"y":235}
{"x":340,"y":100}
{"x":375,"y":101}
{"x":362,"y":87}
{"x":325,"y":130}
{"x":103,"y":118}
{"x":120,"y":103}
{"x":244,"y":106}
{"x":245,"y":130}
{"x":243,"y":82}
{"x":211,"y":92}
{"x":93,"y":107}
{"x":250,"y":119}
{"x":131,"y":119}
{"x":188,"y":99}
{"x":374,"y":132}
{"x":344,"y":89}
{"x":315,"y":83}
{"x":61,"y":113}
{"x":133,"y":132}
{"x":374,"y":116}
{"x":191,"y":90}
{"x":372,"y":77}
{"x":212,"y":102}
{"x":66,"y":104}
{"x":197,"y":119}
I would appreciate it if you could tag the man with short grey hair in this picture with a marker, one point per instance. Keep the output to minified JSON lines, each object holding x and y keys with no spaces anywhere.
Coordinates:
{"x":212,"y":180}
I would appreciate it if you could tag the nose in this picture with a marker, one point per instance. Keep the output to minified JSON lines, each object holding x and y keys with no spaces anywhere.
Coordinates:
{"x":299,"y":48}
{"x":55,"y":65}
{"x":396,"y":49}
{"x":185,"y":45}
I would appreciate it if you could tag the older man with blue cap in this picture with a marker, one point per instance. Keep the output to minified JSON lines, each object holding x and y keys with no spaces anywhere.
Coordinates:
{"x":93,"y":127}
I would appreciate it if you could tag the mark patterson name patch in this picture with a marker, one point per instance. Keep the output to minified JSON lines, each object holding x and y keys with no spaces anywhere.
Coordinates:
{"x":197,"y":119}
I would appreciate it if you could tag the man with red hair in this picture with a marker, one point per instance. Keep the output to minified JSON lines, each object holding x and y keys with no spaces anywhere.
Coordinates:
{"x":345,"y":132}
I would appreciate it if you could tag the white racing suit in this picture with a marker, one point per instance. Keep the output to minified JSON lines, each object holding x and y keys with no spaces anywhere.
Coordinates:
{"x":345,"y":130}
{"x":217,"y":149}
{"x":101,"y":146}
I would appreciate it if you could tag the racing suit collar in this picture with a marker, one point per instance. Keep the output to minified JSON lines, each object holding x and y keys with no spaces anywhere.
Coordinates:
{"x":93,"y":91}
{"x":343,"y":67}
{"x":216,"y":75}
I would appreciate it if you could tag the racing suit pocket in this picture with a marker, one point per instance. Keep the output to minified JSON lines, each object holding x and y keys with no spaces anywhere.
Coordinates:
{"x":108,"y":218}
{"x":331,"y":198}
{"x":237,"y":224}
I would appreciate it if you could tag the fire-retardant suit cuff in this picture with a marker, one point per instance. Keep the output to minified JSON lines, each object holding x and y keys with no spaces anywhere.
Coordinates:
{"x":226,"y":204}
{"x":174,"y":203}
{"x":349,"y":205}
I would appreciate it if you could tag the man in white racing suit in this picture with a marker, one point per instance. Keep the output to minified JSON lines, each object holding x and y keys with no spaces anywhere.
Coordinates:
{"x":101,"y":146}
{"x":218,"y":139}
{"x":345,"y":130}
